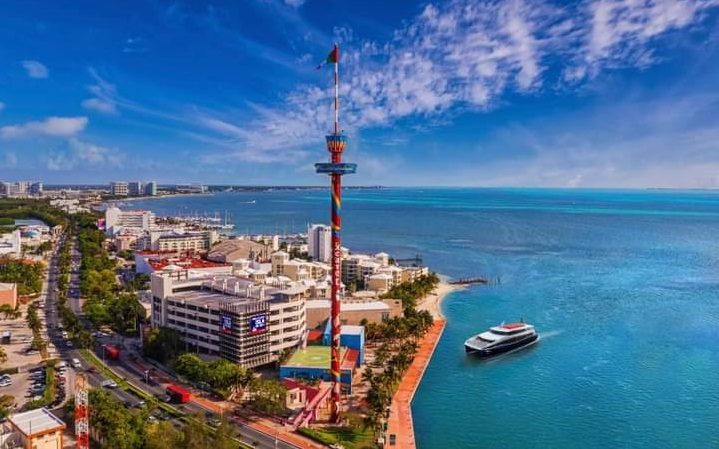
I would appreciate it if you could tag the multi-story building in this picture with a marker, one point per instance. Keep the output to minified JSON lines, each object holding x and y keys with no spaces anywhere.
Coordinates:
{"x":134,"y":188}
{"x":119,"y":188}
{"x":151,"y":188}
{"x":35,"y":188}
{"x":130,"y":221}
{"x":319,"y":242}
{"x":231,"y":317}
{"x":21,"y":188}
{"x":162,"y":240}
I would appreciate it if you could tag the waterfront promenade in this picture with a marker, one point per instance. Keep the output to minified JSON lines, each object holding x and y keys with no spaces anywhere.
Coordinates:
{"x":400,"y":418}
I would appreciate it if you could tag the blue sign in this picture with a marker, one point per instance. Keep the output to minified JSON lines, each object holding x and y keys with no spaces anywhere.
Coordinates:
{"x":258,"y":324}
{"x":226,"y":324}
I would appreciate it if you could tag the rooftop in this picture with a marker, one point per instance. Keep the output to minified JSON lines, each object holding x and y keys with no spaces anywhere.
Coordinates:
{"x":4,"y":286}
{"x":348,"y":306}
{"x":185,"y":263}
{"x":36,"y":421}
{"x":313,"y":357}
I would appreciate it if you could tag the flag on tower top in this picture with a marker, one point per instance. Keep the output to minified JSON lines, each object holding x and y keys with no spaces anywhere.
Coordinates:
{"x":332,"y":58}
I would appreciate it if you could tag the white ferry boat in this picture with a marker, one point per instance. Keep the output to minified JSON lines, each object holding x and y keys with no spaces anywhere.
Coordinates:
{"x":502,"y":339}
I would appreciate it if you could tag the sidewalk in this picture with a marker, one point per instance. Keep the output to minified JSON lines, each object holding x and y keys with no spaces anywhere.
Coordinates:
{"x":400,"y":419}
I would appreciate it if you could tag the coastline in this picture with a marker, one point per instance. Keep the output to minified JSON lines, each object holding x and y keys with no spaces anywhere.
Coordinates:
{"x":433,"y":301}
{"x":400,"y":421}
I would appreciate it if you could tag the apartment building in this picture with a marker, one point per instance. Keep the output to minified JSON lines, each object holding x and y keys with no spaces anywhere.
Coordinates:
{"x":119,"y":188}
{"x":319,"y":242}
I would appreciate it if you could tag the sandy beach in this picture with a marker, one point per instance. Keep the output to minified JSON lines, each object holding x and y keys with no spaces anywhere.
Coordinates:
{"x":433,"y":301}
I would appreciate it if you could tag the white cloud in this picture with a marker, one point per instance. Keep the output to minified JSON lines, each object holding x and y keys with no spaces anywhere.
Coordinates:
{"x":35,"y":69}
{"x":105,"y":95}
{"x":464,"y":54}
{"x":53,"y":126}
{"x":82,"y":154}
{"x":295,"y":3}
{"x":2,"y":105}
{"x":617,"y":32}
{"x":99,"y":105}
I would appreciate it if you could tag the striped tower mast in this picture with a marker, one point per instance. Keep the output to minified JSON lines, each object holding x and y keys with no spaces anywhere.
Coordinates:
{"x":82,"y":413}
{"x":336,"y":168}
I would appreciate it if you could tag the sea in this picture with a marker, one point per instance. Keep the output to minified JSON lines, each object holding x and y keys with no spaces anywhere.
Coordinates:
{"x":623,"y":287}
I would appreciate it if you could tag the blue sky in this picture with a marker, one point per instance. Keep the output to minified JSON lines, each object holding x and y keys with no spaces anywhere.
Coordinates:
{"x":598,"y":93}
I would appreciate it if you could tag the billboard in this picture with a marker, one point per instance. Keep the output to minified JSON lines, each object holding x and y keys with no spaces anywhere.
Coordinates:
{"x":225,"y":324}
{"x":258,"y":324}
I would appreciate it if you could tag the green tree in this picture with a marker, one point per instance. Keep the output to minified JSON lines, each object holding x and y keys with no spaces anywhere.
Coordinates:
{"x":162,"y":344}
{"x":6,"y":403}
{"x":3,"y":355}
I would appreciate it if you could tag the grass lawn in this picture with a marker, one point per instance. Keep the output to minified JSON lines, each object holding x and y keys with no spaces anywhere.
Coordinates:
{"x":313,"y":356}
{"x":349,"y":437}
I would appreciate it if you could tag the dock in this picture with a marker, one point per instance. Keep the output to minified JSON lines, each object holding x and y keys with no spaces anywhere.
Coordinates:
{"x":400,"y":418}
{"x":475,"y":280}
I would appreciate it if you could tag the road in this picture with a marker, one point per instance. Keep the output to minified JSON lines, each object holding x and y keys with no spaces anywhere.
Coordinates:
{"x":124,"y":367}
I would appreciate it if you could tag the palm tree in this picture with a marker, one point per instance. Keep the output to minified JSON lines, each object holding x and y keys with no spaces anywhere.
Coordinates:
{"x":368,"y":375}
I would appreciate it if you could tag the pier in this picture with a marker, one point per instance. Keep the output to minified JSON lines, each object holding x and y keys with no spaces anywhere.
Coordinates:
{"x":400,"y":423}
{"x":475,"y":280}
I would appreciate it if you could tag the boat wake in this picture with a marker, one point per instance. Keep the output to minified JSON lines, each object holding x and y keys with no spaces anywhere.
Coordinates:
{"x":549,"y":334}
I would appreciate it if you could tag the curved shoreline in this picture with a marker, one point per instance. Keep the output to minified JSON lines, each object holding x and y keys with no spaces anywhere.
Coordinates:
{"x":433,"y":301}
{"x":400,"y":421}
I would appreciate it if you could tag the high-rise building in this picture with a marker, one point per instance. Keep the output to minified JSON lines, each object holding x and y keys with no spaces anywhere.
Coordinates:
{"x":35,"y":188}
{"x":319,"y":242}
{"x":20,"y":188}
{"x":118,"y":188}
{"x":134,"y":188}
{"x":151,"y":188}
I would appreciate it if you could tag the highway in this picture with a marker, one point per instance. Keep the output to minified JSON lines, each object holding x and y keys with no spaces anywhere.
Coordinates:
{"x":124,"y":367}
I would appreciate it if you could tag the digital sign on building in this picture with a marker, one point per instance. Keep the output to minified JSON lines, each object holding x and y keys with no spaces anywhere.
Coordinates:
{"x":258,"y":324}
{"x":226,"y":324}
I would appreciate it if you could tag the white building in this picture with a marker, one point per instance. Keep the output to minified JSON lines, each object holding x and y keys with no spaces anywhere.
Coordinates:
{"x":151,"y":188}
{"x":118,"y":188}
{"x":180,"y":240}
{"x":131,"y":221}
{"x":319,"y":242}
{"x":21,"y":188}
{"x":11,"y":243}
{"x":234,"y":318}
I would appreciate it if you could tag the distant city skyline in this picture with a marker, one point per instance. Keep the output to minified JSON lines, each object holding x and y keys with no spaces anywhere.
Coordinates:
{"x":597,"y":93}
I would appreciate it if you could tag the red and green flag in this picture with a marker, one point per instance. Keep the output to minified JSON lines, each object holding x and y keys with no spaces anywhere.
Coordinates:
{"x":332,"y":58}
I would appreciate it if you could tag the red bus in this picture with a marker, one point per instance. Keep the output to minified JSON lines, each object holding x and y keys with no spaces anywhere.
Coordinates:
{"x":177,"y":394}
{"x":112,"y":352}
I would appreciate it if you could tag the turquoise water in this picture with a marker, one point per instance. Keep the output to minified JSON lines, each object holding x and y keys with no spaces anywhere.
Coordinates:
{"x":623,"y":286}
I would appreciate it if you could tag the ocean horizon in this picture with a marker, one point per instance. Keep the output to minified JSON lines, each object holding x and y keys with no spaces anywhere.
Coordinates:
{"x":621,"y":284}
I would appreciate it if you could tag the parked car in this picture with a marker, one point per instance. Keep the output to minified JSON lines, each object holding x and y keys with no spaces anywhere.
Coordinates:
{"x":76,"y":363}
{"x":5,"y":382}
{"x":68,"y":343}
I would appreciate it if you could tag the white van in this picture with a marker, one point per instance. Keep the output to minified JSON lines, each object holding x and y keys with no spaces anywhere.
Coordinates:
{"x":61,"y":365}
{"x":76,"y":363}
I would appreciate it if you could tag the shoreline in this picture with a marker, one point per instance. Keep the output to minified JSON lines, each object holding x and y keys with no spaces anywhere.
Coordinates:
{"x":433,"y":301}
{"x":400,"y":421}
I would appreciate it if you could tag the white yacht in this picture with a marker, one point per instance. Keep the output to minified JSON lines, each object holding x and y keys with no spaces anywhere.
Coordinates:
{"x":501,"y":339}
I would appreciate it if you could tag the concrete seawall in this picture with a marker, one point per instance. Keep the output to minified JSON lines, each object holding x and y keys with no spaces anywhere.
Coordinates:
{"x":400,"y":419}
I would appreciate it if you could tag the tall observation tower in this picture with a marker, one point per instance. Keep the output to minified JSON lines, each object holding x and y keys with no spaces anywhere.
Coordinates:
{"x":336,"y":168}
